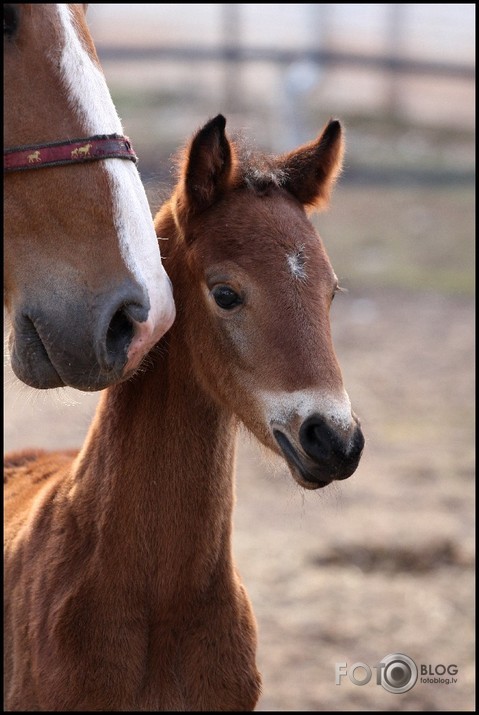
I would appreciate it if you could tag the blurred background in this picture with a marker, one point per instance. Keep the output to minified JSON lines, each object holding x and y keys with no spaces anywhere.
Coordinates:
{"x":382,"y":564}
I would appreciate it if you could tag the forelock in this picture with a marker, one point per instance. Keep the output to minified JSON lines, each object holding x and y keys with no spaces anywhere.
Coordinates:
{"x":258,"y":171}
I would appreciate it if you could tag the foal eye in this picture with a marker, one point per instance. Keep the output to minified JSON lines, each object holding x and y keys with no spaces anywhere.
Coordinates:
{"x":10,"y":20}
{"x":226,"y":297}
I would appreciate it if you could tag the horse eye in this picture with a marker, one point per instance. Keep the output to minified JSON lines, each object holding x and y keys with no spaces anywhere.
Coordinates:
{"x":10,"y":20}
{"x":226,"y":297}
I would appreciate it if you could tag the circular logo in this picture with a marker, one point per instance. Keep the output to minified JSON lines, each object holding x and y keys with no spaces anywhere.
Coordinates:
{"x":398,"y":673}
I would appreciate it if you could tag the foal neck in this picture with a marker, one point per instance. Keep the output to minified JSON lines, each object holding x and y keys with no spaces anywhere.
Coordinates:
{"x":157,"y":469}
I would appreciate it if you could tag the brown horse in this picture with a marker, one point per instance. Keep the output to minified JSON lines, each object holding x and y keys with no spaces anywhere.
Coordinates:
{"x":121,"y":589}
{"x":84,"y":286}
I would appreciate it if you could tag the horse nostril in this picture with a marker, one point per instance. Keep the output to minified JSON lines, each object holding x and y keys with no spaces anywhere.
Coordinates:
{"x":118,"y":336}
{"x":117,"y":328}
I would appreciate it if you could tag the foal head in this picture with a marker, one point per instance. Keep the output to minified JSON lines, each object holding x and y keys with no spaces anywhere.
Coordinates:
{"x":83,"y":281}
{"x":253,"y":287}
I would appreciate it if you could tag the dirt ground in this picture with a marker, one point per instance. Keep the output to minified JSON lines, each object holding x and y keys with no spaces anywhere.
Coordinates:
{"x":384,"y":563}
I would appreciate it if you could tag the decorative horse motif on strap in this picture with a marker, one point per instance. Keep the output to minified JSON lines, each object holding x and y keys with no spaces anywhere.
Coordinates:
{"x":81,"y":151}
{"x":34,"y":156}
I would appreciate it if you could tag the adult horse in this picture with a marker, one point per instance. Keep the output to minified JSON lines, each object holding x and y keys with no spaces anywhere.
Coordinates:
{"x":84,"y":286}
{"x":121,"y":589}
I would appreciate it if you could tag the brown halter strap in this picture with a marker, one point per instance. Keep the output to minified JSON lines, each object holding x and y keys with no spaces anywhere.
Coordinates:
{"x":73,"y":151}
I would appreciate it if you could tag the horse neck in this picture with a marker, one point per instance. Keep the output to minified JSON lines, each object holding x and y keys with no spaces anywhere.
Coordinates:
{"x":156,"y":472}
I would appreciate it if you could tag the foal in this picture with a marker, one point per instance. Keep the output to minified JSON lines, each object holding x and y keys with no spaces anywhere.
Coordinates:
{"x":122,"y":592}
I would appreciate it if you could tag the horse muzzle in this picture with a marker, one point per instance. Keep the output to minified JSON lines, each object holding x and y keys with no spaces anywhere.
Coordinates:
{"x":321,"y":453}
{"x":87,"y":344}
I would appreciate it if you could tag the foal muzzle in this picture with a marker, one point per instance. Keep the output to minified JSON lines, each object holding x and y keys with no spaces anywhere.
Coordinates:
{"x":321,"y":453}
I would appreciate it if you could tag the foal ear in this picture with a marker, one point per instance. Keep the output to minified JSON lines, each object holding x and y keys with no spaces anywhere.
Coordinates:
{"x":311,"y":171}
{"x":208,"y":165}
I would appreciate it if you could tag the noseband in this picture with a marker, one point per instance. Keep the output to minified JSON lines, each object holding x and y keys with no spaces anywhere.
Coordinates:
{"x":73,"y":151}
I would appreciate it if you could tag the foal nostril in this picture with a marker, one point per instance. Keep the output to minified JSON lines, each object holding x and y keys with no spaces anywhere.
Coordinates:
{"x":325,"y":445}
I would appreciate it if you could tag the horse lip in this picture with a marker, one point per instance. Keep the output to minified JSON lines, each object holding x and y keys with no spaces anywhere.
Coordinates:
{"x":300,"y":472}
{"x":33,"y":364}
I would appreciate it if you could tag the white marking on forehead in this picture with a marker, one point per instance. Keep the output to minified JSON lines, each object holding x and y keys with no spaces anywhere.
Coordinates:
{"x":283,"y":407}
{"x":90,"y":98}
{"x":296,"y":263}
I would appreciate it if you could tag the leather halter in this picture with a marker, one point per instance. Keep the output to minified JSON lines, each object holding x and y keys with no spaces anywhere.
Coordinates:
{"x":73,"y":151}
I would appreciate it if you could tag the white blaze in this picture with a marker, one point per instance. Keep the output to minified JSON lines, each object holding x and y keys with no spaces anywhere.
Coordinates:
{"x":90,"y":98}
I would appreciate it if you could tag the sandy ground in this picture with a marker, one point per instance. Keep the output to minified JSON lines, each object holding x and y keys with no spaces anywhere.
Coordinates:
{"x":382,"y":564}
